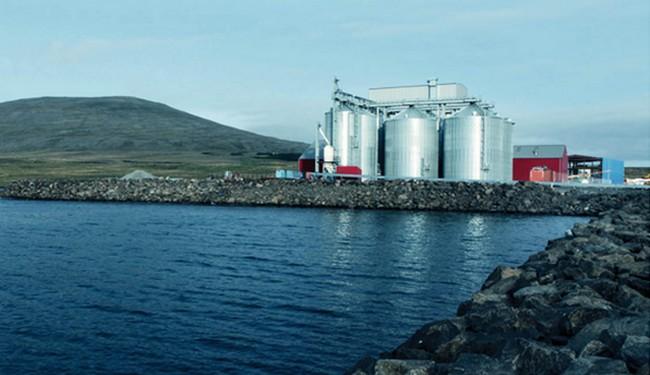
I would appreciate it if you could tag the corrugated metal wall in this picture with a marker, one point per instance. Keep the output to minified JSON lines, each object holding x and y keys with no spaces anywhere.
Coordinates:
{"x":613,"y":171}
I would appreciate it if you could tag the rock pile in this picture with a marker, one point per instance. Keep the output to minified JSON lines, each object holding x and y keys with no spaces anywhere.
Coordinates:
{"x":582,"y":306}
{"x":418,"y":195}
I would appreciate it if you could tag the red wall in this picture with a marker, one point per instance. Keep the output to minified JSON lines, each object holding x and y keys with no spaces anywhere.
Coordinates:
{"x":306,"y":165}
{"x":521,"y":167}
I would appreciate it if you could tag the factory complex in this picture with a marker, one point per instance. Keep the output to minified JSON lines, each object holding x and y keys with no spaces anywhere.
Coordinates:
{"x":436,"y":130}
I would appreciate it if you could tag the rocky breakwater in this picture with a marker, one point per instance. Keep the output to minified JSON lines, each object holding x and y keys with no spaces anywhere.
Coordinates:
{"x":420,"y":195}
{"x":582,"y":306}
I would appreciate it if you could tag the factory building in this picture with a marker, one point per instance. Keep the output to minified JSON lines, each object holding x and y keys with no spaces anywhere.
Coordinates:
{"x":426,"y":131}
{"x":596,"y":170}
{"x":547,"y":163}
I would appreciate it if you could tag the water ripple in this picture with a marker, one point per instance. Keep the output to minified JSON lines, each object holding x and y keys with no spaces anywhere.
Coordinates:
{"x":145,"y":288}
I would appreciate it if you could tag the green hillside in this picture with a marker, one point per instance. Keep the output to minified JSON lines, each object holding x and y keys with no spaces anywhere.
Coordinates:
{"x":109,"y":136}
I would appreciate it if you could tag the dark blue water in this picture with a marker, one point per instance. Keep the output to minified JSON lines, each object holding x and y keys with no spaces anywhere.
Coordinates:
{"x":134,"y":288}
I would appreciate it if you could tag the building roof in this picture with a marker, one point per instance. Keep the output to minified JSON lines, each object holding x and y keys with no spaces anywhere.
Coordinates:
{"x":471,"y":110}
{"x":310,"y":153}
{"x":410,"y":113}
{"x":584,"y":158}
{"x":538,"y":151}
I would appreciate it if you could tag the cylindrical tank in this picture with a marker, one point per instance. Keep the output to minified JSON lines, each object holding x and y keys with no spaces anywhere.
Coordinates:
{"x":328,"y":159}
{"x":477,"y":146}
{"x":411,"y":145}
{"x":342,"y":133}
{"x":364,"y":143}
{"x":328,"y":154}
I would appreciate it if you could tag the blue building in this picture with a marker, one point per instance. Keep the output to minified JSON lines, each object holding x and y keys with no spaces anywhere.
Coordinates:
{"x":597,"y":170}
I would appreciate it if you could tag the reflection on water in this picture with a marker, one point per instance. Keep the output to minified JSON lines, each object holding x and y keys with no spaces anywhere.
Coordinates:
{"x":191,"y":289}
{"x":343,"y":229}
{"x":476,"y":226}
{"x":473,"y":245}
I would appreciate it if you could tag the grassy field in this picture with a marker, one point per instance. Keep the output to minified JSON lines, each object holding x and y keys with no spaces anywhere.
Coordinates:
{"x":637,"y":172}
{"x":189,"y":165}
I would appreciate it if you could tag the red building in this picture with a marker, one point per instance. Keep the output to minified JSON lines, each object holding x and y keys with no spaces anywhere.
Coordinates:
{"x":540,"y":163}
{"x":307,"y":161}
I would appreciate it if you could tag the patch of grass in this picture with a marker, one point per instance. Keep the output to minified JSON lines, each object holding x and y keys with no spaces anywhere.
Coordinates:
{"x":637,"y":172}
{"x":190,"y":165}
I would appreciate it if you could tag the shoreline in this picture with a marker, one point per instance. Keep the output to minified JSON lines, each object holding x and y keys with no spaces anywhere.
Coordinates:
{"x":523,"y":198}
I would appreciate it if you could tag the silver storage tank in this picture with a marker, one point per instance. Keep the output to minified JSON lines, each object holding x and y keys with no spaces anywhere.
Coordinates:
{"x":411,"y":145}
{"x":364,"y":144}
{"x":477,"y":146}
{"x":342,"y":133}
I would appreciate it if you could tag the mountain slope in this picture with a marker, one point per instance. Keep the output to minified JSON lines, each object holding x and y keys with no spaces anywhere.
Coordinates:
{"x":121,"y":124}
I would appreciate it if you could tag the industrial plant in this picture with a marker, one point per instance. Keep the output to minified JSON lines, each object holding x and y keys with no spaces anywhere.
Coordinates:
{"x":437,"y":130}
{"x":433,"y":130}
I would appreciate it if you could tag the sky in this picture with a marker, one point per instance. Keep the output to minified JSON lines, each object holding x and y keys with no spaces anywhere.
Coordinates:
{"x":567,"y":72}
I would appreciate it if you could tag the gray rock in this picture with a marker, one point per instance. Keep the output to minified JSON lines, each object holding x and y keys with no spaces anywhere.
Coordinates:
{"x":596,"y":348}
{"x":499,"y":274}
{"x":596,"y":366}
{"x":539,"y":290}
{"x":430,"y":337}
{"x":365,"y":366}
{"x":478,"y":364}
{"x":534,"y":358}
{"x":636,"y":350}
{"x":403,"y":367}
{"x":611,"y":330}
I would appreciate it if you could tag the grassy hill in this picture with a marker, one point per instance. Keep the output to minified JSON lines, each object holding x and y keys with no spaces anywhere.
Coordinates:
{"x":110,"y":136}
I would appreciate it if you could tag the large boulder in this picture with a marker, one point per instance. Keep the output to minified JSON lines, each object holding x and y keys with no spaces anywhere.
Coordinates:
{"x":596,"y":366}
{"x":535,"y":358}
{"x":636,"y":351}
{"x":403,"y":367}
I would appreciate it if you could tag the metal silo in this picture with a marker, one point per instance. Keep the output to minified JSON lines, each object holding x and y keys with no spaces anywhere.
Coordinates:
{"x":342,"y":133}
{"x":477,"y":145}
{"x":411,"y":145}
{"x":364,"y":144}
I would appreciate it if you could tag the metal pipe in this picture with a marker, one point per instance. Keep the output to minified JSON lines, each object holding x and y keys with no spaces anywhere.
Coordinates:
{"x":324,"y":136}
{"x":317,"y":148}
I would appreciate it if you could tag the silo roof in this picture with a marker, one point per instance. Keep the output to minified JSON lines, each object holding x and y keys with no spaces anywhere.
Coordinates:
{"x":472,"y":110}
{"x":538,"y":151}
{"x":410,"y":113}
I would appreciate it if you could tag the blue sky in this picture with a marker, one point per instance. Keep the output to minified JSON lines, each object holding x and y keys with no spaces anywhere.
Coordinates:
{"x":574,"y":72}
